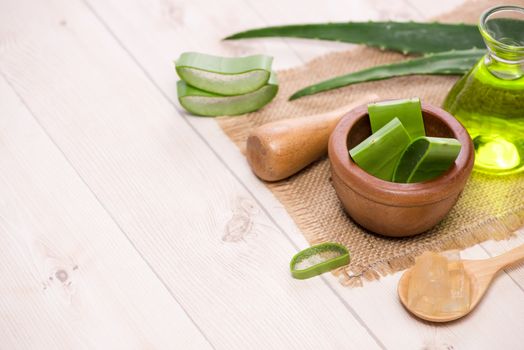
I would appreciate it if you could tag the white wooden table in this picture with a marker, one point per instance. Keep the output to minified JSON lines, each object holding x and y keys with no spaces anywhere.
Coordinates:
{"x":113,"y":201}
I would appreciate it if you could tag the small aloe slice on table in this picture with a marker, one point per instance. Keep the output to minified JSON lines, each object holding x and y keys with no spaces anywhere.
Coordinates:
{"x":379,"y":153}
{"x":318,"y":259}
{"x":206,"y":103}
{"x":426,"y":158}
{"x":224,"y":75}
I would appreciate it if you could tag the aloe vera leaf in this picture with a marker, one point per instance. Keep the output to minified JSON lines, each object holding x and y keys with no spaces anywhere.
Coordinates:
{"x":379,"y":153}
{"x":408,"y":111}
{"x":426,"y":158}
{"x":224,"y":75}
{"x":445,"y":63}
{"x":406,"y":37}
{"x":206,"y":103}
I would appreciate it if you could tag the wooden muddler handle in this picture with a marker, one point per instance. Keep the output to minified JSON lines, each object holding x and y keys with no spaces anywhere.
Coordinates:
{"x":280,"y":149}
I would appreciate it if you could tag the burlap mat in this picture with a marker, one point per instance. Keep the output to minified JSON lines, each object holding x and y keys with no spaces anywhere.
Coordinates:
{"x":489,"y":208}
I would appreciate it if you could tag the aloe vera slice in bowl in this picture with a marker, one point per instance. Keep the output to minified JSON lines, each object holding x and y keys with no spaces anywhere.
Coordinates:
{"x":426,"y":158}
{"x":205,"y":103}
{"x":224,"y":75}
{"x":379,"y":153}
{"x":408,"y":111}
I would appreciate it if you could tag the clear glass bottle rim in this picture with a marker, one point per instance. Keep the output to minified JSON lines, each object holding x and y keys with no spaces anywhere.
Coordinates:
{"x":484,"y":30}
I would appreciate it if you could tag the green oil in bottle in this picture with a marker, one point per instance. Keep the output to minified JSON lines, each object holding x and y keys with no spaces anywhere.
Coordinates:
{"x":492,"y":110}
{"x":489,"y":100}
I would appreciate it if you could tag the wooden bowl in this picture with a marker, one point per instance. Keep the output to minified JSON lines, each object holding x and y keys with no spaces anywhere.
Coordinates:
{"x":395,"y":209}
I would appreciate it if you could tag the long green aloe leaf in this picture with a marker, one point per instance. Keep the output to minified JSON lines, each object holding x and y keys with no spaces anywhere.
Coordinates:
{"x":224,"y":75}
{"x":426,"y":158}
{"x":445,"y":63}
{"x":406,"y":37}
{"x":206,"y":103}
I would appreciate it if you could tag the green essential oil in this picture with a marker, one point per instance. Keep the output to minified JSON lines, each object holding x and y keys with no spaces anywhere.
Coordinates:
{"x":492,"y":110}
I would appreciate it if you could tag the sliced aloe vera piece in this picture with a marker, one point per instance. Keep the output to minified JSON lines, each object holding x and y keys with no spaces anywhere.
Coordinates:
{"x":426,"y":158}
{"x":224,"y":75}
{"x":318,"y":259}
{"x":205,"y":103}
{"x":379,"y":153}
{"x":408,"y":111}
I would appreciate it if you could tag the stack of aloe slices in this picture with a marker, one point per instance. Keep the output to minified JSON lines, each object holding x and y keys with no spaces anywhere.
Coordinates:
{"x":398,"y":149}
{"x":213,"y":85}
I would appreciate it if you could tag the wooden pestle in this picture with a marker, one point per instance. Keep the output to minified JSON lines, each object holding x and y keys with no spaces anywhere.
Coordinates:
{"x":282,"y":148}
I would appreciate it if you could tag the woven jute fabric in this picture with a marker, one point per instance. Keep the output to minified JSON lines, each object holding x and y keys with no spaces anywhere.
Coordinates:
{"x":489,"y":207}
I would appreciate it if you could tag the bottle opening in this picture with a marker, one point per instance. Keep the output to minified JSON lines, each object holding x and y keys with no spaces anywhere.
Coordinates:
{"x":503,"y":30}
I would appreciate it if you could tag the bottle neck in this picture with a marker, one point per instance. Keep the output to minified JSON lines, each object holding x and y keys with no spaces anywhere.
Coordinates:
{"x":504,"y":65}
{"x":502,"y":29}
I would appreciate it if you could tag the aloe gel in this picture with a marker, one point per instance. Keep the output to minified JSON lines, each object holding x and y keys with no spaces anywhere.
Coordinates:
{"x":224,"y":75}
{"x":489,"y":100}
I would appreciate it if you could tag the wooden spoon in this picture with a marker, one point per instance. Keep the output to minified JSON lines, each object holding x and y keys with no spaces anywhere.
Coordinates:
{"x":480,"y":272}
{"x":280,"y":149}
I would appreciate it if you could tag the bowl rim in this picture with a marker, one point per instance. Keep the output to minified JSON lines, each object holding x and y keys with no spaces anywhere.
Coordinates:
{"x":400,"y":194}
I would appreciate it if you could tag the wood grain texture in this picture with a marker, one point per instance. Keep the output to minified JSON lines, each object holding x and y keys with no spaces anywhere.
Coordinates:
{"x":376,"y":303}
{"x":516,"y":272}
{"x":69,"y":278}
{"x":186,"y":214}
{"x":276,"y":12}
{"x":221,"y":254}
{"x":426,"y":9}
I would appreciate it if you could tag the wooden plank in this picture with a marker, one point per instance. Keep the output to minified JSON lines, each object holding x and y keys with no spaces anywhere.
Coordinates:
{"x":427,"y":9}
{"x":496,"y":248}
{"x":376,"y":302}
{"x":187,"y":215}
{"x":69,"y":278}
{"x":276,"y":12}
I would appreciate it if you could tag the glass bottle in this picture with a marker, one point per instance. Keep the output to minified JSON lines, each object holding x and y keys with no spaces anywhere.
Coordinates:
{"x":489,"y":100}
